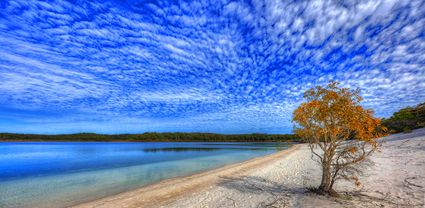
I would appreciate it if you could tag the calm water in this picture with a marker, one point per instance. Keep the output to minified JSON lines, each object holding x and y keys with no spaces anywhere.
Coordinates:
{"x":59,"y":174}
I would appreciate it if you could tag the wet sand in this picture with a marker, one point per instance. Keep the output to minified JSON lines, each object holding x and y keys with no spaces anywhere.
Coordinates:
{"x":161,"y":193}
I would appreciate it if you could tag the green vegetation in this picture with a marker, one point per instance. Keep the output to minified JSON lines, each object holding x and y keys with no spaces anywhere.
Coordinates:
{"x":154,"y":137}
{"x":406,"y":119}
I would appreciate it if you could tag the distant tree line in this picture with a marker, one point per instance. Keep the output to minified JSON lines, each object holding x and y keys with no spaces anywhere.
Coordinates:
{"x":154,"y":137}
{"x":406,"y":119}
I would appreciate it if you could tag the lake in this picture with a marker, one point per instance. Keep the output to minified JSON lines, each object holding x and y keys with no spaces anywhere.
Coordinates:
{"x":60,"y":174}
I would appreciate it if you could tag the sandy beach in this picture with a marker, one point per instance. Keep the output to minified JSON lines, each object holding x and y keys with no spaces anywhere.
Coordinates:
{"x":397,"y":179}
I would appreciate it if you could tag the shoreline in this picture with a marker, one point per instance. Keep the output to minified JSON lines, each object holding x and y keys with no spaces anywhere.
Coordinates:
{"x":162,"y":192}
{"x":283,"y":179}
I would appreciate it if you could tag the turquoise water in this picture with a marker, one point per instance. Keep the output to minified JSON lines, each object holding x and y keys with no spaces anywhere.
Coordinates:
{"x":60,"y":174}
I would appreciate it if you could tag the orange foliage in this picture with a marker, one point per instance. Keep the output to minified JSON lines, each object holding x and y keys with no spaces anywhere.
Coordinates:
{"x":333,"y":113}
{"x":333,"y":120}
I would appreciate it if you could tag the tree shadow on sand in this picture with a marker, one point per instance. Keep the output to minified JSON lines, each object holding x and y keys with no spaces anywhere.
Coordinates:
{"x":254,"y":185}
{"x":275,"y":194}
{"x":280,"y":195}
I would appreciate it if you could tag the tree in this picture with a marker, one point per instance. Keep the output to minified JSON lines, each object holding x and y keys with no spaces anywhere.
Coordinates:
{"x":406,"y":119}
{"x":340,"y":132}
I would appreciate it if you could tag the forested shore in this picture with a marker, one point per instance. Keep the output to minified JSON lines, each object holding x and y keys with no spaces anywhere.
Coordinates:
{"x":154,"y":137}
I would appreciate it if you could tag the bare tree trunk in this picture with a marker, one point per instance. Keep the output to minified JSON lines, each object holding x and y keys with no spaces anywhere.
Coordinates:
{"x":325,"y":185}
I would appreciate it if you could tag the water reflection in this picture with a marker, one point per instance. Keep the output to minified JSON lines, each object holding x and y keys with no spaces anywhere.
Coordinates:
{"x":187,"y":149}
{"x":67,"y":173}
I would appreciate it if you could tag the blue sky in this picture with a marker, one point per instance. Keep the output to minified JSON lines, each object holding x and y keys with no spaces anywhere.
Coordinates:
{"x":205,"y":66}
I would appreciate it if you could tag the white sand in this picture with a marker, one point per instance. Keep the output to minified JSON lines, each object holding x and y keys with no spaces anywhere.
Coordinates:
{"x":280,"y":180}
